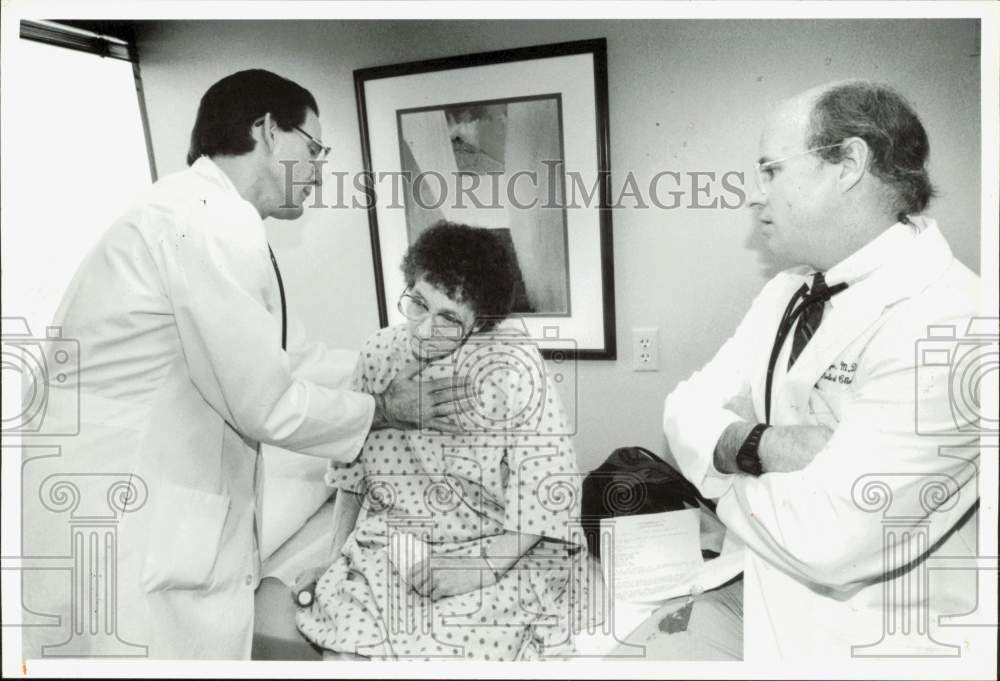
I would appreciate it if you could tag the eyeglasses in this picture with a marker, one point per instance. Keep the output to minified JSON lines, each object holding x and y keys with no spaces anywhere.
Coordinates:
{"x":446,"y":325}
{"x":763,"y":173}
{"x":317,"y":149}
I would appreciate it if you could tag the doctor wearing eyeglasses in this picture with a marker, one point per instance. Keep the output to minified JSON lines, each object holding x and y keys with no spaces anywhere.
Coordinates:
{"x":817,"y":409}
{"x":187,"y":363}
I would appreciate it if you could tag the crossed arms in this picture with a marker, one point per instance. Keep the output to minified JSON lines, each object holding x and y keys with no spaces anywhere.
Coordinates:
{"x":805,"y":514}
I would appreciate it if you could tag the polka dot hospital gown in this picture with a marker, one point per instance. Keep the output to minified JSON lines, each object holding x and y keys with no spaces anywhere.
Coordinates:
{"x":513,"y":469}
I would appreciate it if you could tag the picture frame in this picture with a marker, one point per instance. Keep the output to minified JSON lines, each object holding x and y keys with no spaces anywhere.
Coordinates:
{"x":514,"y":140}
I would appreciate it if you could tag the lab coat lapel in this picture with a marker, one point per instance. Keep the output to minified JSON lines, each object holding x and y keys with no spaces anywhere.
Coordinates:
{"x":785,"y":286}
{"x":856,"y":309}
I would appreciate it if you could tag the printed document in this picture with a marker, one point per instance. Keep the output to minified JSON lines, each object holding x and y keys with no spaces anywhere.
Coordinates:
{"x":652,"y":557}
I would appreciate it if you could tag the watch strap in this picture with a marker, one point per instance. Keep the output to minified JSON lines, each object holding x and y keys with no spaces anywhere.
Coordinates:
{"x":748,"y":457}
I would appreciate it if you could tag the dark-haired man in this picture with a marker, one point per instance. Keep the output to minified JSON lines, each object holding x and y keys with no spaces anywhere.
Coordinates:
{"x":187,"y":363}
{"x":834,"y":464}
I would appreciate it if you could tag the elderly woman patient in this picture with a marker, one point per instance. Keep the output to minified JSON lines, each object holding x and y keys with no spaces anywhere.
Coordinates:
{"x":463,"y":544}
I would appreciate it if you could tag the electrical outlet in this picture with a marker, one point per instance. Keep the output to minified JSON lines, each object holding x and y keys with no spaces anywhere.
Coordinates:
{"x":646,"y":349}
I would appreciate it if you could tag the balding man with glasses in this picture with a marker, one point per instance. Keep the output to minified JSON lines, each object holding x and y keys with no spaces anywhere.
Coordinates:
{"x":819,"y":400}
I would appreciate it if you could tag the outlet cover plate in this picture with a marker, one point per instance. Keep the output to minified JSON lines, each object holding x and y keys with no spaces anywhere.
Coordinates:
{"x":646,"y":349}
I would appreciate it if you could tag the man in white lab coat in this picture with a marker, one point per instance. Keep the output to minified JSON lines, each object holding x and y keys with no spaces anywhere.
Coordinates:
{"x":148,"y":483}
{"x":836,"y":452}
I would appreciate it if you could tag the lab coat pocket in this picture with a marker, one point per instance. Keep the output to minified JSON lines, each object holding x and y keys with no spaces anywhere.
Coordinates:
{"x":185,"y":531}
{"x":826,"y":403}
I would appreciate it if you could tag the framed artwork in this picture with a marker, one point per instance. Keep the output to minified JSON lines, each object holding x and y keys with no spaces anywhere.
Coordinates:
{"x":516,"y":141}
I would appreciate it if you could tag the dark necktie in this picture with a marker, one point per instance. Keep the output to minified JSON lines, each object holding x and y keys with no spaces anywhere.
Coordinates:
{"x":811,"y":317}
{"x":281,"y":293}
{"x":808,"y":314}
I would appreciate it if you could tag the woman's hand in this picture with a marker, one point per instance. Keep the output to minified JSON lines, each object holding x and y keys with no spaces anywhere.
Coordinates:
{"x":450,"y":576}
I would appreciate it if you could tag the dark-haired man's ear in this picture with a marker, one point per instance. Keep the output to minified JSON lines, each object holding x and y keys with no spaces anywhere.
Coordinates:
{"x":854,"y":163}
{"x":264,"y":132}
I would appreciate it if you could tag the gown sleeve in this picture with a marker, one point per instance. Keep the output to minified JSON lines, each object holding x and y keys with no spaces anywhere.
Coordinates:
{"x":520,"y":402}
{"x":373,"y":370}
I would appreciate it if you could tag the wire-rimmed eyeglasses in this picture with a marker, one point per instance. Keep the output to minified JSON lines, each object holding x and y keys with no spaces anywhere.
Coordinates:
{"x":446,"y":325}
{"x":762,"y":171}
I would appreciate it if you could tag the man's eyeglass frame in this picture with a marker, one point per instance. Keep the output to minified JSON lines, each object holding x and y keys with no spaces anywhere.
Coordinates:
{"x":317,"y":149}
{"x":759,"y":167}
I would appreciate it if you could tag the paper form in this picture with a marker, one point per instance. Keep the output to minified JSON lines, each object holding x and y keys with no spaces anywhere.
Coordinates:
{"x":651,"y":556}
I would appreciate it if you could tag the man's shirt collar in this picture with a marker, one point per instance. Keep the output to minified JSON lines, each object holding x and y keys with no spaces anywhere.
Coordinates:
{"x":876,"y":253}
{"x":207,"y":168}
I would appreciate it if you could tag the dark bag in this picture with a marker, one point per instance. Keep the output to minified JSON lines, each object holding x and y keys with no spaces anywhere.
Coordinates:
{"x":634,"y":481}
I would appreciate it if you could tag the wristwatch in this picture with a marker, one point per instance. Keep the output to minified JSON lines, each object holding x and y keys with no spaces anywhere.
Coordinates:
{"x":747,"y":459}
{"x":304,"y":597}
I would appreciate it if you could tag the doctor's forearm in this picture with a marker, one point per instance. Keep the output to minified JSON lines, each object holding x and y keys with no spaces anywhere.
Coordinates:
{"x":380,"y":420}
{"x":729,"y":444}
{"x":791,"y":448}
{"x":782,"y":448}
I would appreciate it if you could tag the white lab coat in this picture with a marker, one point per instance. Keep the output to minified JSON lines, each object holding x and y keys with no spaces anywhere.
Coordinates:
{"x":815,"y":560}
{"x":182,"y":375}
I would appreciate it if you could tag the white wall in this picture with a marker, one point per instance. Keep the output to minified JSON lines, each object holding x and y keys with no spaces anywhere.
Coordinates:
{"x":683,"y":95}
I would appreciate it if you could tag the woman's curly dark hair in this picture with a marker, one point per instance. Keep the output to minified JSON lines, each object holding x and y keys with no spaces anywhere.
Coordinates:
{"x":470,"y":264}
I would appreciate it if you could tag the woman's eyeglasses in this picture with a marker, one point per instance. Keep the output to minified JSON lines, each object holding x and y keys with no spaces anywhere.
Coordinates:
{"x":445,"y":325}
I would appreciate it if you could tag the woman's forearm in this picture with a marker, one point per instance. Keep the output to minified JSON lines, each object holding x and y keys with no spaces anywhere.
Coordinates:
{"x":506,"y":549}
{"x":346,"y":508}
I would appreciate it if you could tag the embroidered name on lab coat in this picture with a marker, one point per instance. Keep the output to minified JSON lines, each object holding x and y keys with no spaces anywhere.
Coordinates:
{"x":841,"y":372}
